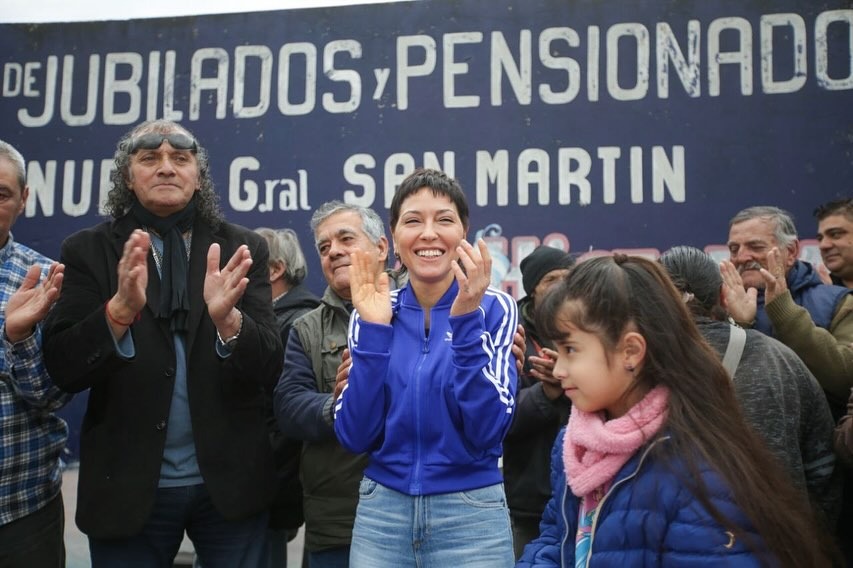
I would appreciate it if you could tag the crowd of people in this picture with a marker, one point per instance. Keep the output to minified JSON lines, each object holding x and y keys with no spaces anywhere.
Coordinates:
{"x":624,"y":412}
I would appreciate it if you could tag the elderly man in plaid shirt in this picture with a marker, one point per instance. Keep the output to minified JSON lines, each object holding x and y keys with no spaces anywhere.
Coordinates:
{"x":32,"y":519}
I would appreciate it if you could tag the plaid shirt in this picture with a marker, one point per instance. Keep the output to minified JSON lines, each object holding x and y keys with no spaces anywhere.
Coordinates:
{"x":31,"y":436}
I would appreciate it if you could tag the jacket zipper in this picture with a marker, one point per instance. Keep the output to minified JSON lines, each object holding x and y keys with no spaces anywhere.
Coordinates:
{"x":416,"y":481}
{"x":565,"y":524}
{"x":612,"y":489}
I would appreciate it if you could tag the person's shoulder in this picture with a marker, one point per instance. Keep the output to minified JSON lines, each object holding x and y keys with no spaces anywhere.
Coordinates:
{"x":30,"y":256}
{"x":765,"y":345}
{"x":499,"y":307}
{"x":100,"y":231}
{"x":312,"y":316}
{"x":716,"y":333}
{"x":302,"y":298}
{"x":233,"y":231}
{"x":495,"y":296}
{"x":847,"y":301}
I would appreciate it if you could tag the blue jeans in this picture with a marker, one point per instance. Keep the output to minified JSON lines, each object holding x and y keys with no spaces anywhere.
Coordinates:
{"x":468,"y":528}
{"x":218,"y":542}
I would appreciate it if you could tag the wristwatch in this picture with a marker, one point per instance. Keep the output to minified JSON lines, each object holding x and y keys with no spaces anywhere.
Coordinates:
{"x":231,"y":342}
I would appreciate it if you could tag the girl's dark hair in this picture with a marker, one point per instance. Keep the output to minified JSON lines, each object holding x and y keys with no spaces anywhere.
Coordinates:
{"x":607,"y":296}
{"x":440,"y":184}
{"x":694,"y":272}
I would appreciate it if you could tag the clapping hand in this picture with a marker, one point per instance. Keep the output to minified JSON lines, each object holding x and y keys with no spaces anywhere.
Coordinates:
{"x":132,"y":273}
{"x":519,"y":343}
{"x":224,"y":288}
{"x":31,"y":302}
{"x":371,"y":291}
{"x":474,"y":280}
{"x":741,"y":304}
{"x":543,"y":370}
{"x":775,"y":283}
{"x":342,"y":376}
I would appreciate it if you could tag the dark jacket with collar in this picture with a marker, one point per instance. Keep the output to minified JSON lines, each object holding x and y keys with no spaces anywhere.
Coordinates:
{"x":807,"y":290}
{"x":286,"y":511}
{"x":124,"y":429}
{"x":536,"y":422}
{"x":298,"y":301}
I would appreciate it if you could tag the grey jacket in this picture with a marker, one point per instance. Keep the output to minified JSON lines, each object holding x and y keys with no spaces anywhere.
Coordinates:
{"x":786,"y":407}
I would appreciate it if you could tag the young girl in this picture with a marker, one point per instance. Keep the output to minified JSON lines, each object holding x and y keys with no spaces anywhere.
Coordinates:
{"x":430,"y":392}
{"x":656,"y":466}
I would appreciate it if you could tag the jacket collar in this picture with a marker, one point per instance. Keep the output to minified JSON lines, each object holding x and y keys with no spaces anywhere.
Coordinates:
{"x":331,"y":299}
{"x":406,"y":296}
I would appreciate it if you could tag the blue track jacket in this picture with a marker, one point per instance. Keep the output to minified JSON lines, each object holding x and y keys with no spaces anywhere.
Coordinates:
{"x":431,"y":410}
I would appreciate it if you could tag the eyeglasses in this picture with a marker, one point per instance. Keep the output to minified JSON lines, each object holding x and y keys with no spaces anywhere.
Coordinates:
{"x":153,"y":140}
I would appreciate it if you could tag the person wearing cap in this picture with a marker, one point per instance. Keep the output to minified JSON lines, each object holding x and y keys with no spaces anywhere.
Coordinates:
{"x":166,"y":318}
{"x":540,"y":410}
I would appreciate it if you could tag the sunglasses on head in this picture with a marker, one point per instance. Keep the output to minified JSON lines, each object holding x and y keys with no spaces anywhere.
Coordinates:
{"x":153,"y":140}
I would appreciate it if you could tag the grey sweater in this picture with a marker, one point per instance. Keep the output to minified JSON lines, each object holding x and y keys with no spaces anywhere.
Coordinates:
{"x":787,"y":408}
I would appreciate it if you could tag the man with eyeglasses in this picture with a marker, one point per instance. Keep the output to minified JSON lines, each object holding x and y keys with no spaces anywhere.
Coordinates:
{"x":166,"y":317}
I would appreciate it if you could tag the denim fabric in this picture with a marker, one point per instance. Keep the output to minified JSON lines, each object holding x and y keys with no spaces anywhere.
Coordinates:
{"x":219,"y":543}
{"x":466,"y":528}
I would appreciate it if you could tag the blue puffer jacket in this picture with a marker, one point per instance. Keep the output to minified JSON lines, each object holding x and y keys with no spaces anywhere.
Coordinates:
{"x":648,"y":518}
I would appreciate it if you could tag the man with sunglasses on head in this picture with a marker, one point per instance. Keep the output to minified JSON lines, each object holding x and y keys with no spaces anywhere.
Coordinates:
{"x":166,"y":318}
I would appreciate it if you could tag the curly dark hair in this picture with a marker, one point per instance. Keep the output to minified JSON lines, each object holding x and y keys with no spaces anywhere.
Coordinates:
{"x":121,"y":198}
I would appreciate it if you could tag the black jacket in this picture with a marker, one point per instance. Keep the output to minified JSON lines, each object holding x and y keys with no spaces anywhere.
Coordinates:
{"x":286,"y":511}
{"x":124,"y":429}
{"x":527,"y":446}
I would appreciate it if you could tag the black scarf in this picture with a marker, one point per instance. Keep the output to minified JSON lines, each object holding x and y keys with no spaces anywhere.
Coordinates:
{"x":174,"y":296}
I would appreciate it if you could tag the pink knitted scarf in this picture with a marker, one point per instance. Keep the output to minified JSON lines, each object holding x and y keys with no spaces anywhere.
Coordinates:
{"x":595,"y":450}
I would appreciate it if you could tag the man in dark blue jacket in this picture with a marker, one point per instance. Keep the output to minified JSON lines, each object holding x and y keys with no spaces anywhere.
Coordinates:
{"x":769,"y":289}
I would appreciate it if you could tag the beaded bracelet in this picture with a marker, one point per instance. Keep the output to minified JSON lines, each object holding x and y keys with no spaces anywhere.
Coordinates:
{"x":110,"y":317}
